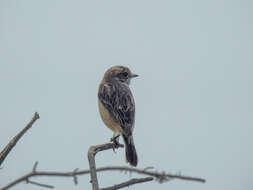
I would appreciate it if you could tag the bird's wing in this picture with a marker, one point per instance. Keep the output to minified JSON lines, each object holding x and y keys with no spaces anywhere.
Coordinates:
{"x":118,"y":100}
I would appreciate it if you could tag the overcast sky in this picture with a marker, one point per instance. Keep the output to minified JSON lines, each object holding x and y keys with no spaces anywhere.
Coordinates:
{"x":194,"y":107}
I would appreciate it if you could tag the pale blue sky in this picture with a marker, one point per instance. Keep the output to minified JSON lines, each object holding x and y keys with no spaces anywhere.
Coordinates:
{"x":194,"y":108}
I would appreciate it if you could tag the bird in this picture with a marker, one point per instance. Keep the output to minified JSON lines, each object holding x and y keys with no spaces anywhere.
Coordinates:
{"x":117,"y":107}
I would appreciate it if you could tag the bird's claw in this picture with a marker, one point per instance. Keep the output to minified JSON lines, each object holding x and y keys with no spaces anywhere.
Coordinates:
{"x":115,"y":141}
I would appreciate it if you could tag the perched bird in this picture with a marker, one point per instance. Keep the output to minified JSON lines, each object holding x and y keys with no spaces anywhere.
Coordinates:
{"x":117,"y":107}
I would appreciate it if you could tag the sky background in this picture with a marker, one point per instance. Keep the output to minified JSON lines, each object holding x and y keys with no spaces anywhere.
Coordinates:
{"x":194,"y":107}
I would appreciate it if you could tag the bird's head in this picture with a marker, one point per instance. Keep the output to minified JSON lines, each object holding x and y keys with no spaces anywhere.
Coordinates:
{"x":120,"y":74}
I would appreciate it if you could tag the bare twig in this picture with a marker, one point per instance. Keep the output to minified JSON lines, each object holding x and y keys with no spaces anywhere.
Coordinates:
{"x":40,"y":184}
{"x":128,"y":183}
{"x":15,"y":139}
{"x":93,"y":150}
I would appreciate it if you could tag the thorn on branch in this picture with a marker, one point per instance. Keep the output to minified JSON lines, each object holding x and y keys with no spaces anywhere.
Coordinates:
{"x":75,"y":176}
{"x":148,"y":168}
{"x":163,"y":178}
{"x":36,"y":116}
{"x":35,"y":166}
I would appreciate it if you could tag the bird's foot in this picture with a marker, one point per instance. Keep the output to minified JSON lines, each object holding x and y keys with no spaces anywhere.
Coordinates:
{"x":115,"y":141}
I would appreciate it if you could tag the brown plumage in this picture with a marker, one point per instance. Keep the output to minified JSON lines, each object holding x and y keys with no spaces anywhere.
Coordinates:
{"x":117,"y":107}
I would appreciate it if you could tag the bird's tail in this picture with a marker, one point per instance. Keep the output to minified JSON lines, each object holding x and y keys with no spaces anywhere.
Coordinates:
{"x":131,"y":155}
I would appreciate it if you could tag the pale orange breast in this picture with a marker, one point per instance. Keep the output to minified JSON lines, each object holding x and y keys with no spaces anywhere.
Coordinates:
{"x":107,"y":119}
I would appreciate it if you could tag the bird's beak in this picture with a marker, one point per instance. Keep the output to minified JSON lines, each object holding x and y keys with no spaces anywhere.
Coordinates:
{"x":133,"y":75}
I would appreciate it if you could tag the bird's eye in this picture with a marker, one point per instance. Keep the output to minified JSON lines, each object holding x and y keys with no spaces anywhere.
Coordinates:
{"x":125,"y":74}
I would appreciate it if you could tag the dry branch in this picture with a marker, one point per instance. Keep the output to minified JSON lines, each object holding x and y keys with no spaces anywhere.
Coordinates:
{"x":15,"y":139}
{"x":128,"y":183}
{"x":75,"y":173}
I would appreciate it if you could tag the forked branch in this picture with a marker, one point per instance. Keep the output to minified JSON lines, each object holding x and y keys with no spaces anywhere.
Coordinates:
{"x":159,"y":176}
{"x":91,"y":157}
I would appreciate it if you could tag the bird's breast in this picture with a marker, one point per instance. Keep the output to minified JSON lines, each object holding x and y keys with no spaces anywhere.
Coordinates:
{"x":106,"y":117}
